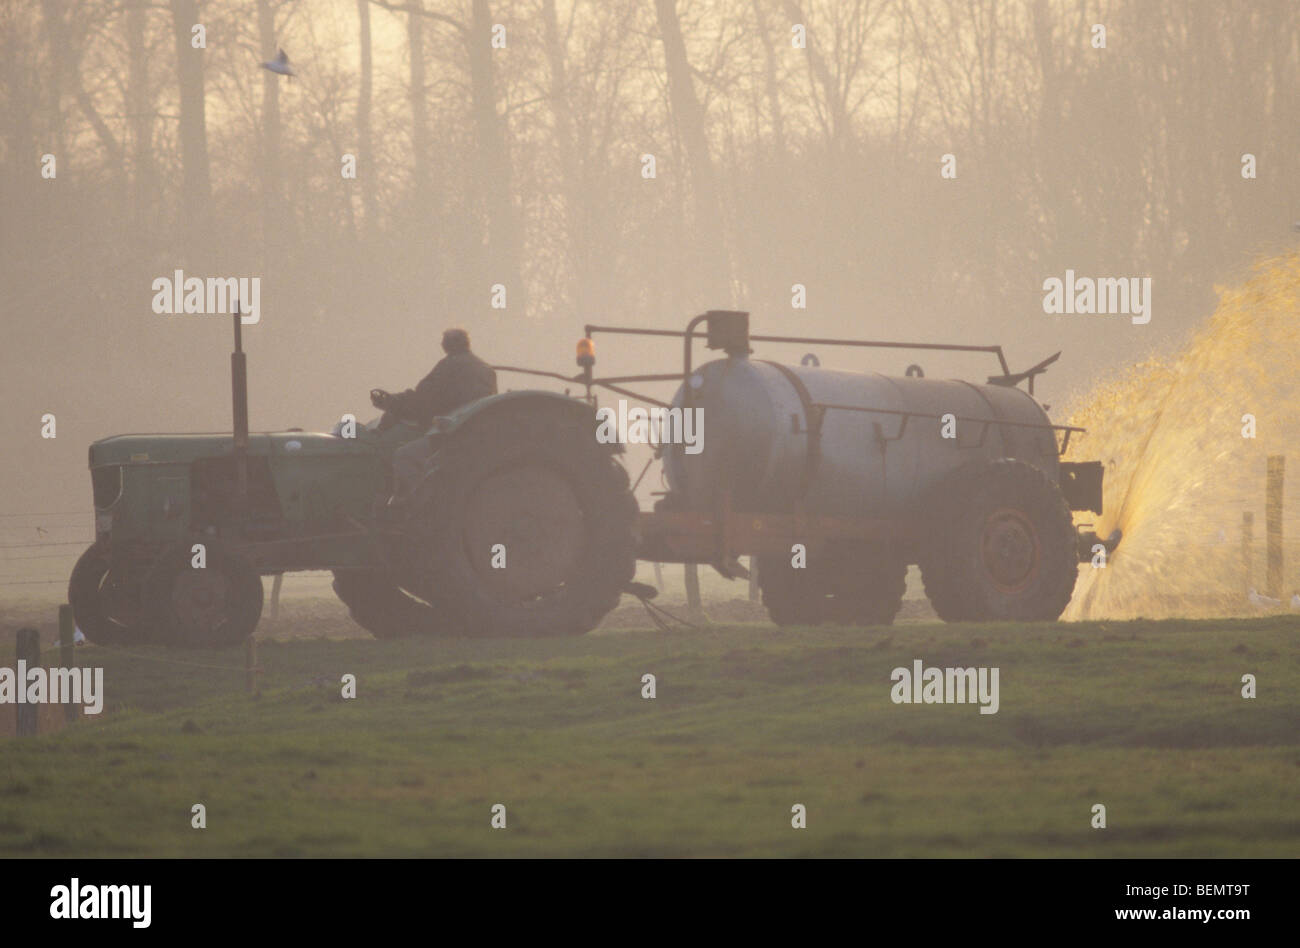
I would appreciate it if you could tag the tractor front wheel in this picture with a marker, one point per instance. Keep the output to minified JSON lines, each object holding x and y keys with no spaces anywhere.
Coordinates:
{"x":105,"y":606}
{"x":210,"y":606}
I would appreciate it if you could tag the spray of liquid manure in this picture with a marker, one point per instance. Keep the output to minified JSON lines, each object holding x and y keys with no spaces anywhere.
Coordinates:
{"x":1180,"y":473}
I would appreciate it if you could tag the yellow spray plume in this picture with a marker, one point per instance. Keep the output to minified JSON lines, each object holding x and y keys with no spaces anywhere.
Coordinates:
{"x":1180,"y":473}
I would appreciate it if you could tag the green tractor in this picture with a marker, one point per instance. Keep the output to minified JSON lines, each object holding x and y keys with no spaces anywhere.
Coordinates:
{"x":187,"y":524}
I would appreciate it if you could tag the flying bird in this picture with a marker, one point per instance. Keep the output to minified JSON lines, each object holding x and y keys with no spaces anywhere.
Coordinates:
{"x":280,"y":65}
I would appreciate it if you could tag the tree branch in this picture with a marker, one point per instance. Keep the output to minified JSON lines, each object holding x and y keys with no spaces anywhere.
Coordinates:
{"x":420,"y":11}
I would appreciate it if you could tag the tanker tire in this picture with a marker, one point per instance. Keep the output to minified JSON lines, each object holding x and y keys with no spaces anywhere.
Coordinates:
{"x":215,"y":606}
{"x":89,"y":591}
{"x":1003,"y":546}
{"x":791,"y":595}
{"x":867,"y":587}
{"x":379,"y":605}
{"x":574,"y":546}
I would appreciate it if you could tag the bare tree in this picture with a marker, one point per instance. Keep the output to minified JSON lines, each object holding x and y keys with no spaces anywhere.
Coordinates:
{"x":197,"y":182}
{"x":688,"y":119}
{"x":140,"y":113}
{"x":494,"y":181}
{"x":367,"y":171}
{"x":419,"y":109}
{"x":273,"y":217}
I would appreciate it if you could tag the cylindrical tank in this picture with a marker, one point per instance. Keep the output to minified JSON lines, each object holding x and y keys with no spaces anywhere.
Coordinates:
{"x":773,"y":436}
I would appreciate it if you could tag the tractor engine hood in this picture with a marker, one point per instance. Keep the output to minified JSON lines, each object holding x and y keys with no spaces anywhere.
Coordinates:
{"x":182,"y":448}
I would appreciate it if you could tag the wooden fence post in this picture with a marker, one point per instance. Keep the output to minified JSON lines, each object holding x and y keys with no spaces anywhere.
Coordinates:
{"x":29,"y":651}
{"x":67,"y":651}
{"x":1273,"y":523}
{"x":250,"y":664}
{"x":753,"y":579}
{"x":1247,"y":551}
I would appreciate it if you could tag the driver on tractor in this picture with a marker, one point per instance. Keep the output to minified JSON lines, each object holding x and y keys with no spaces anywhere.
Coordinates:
{"x":459,"y":378}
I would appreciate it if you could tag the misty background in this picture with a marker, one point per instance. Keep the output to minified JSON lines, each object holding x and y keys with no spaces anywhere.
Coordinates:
{"x":522,"y":166}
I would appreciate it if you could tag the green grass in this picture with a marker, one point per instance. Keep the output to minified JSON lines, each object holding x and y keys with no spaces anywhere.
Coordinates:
{"x":1144,"y":717}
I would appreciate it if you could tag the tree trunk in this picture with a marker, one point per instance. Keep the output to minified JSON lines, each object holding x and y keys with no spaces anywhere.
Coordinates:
{"x":570,"y":168}
{"x":715,"y":278}
{"x":503,"y":244}
{"x":273,"y":216}
{"x":419,"y":116}
{"x":772,"y":88}
{"x":52,"y":18}
{"x":197,"y":197}
{"x":365,"y":158}
{"x":140,"y":118}
{"x":1283,"y":73}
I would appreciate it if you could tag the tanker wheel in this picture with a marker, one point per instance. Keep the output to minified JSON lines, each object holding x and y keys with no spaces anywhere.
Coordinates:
{"x":847,"y":584}
{"x":106,"y":609}
{"x":1002,"y":546}
{"x":867,"y":582}
{"x":213,"y":606}
{"x":530,"y":527}
{"x":381,"y":607}
{"x":792,"y":596}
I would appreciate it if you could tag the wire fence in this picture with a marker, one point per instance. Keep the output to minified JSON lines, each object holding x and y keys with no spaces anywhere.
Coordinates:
{"x":39,"y":548}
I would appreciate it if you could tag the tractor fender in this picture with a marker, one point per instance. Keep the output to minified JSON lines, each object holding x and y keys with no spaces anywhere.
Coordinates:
{"x":521,"y":407}
{"x":506,"y":418}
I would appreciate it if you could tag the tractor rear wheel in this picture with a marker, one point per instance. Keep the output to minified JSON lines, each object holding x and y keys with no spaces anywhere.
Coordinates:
{"x":378,"y":605}
{"x":213,"y":606}
{"x":106,"y":609}
{"x":1003,"y":546}
{"x":527,"y":523}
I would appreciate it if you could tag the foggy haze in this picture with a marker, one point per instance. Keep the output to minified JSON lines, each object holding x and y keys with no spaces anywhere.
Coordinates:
{"x":523,"y":166}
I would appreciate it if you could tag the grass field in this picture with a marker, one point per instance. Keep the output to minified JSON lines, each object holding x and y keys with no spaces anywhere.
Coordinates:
{"x":1143,"y":717}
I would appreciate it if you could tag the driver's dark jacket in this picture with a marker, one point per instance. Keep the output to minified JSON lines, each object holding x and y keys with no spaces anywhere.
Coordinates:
{"x":457,"y":379}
